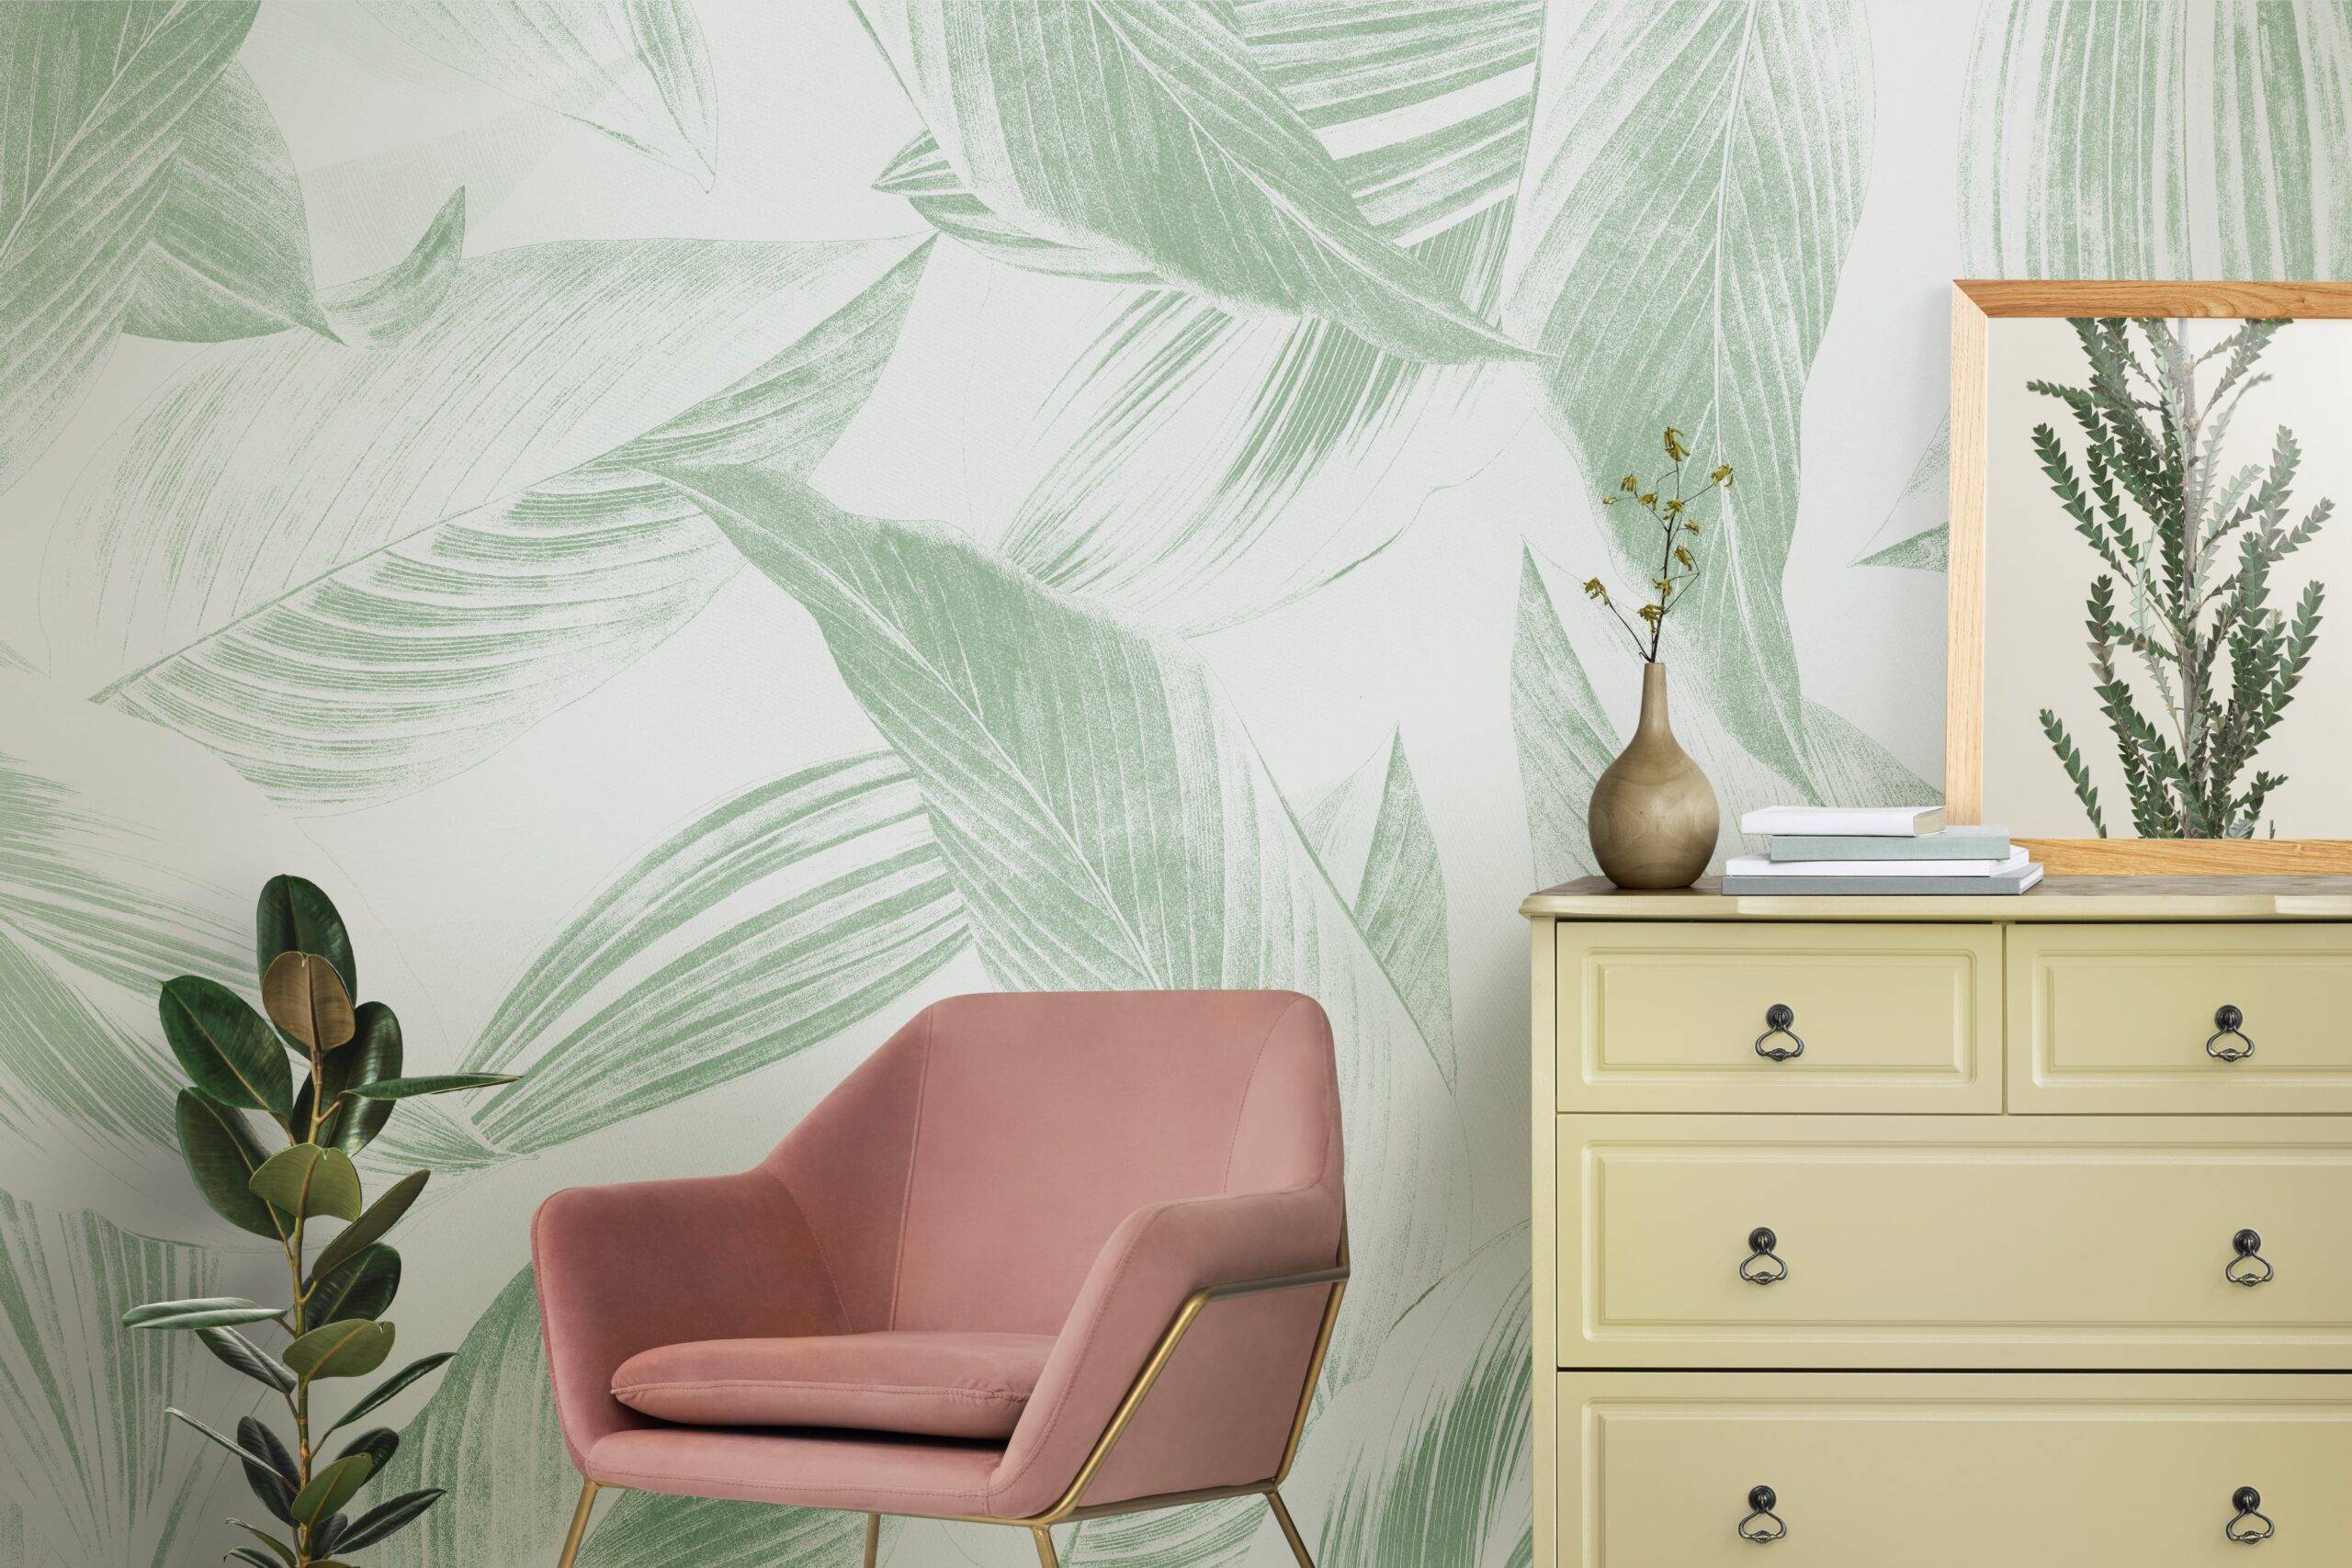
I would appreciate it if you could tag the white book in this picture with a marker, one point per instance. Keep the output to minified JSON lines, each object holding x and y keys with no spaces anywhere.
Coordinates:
{"x":1846,"y":821}
{"x":1764,"y":865}
{"x":2007,"y":882}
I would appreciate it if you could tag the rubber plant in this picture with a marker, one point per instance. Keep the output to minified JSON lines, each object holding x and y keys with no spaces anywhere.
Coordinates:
{"x":348,"y":1061}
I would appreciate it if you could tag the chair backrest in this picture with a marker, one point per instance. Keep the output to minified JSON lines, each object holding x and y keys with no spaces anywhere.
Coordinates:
{"x":967,"y":1174}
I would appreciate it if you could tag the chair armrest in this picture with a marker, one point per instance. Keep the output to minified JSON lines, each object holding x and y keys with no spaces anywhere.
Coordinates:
{"x":625,"y":1267}
{"x":1220,"y":1246}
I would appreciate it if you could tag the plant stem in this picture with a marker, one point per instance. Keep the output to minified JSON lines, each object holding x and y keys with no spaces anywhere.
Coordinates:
{"x":301,"y":1399}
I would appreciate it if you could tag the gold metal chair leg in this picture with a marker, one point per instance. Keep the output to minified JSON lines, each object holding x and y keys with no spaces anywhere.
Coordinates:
{"x":1290,"y":1529}
{"x":872,"y":1539}
{"x":579,"y":1525}
{"x":1045,"y":1557}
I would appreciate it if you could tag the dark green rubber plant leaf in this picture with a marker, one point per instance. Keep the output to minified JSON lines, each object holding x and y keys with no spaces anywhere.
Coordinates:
{"x":274,"y":1481}
{"x":295,"y":916}
{"x":248,"y":1556}
{"x":373,"y":1056}
{"x":260,"y":1454}
{"x":391,"y":1388}
{"x":277,"y":1548}
{"x":386,"y":1517}
{"x":307,"y":1181}
{"x":242,"y":1354}
{"x":331,"y":1488}
{"x":254,"y":1454}
{"x":442,"y":1083}
{"x":224,"y":1046}
{"x":361,"y":1286}
{"x":201,"y":1312}
{"x":222,"y":1155}
{"x":348,"y":1349}
{"x":370,"y":1227}
{"x":379,"y":1443}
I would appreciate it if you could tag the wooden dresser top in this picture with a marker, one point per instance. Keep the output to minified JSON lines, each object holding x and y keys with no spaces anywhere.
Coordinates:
{"x":2057,"y":899}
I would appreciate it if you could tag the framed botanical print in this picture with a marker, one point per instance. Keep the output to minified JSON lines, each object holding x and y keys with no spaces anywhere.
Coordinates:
{"x":2147,"y":671}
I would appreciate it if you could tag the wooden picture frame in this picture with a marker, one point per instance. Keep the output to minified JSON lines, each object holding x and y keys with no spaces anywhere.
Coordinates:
{"x":1974,"y":303}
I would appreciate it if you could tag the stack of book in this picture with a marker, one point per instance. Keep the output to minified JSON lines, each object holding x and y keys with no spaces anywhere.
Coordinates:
{"x":1875,"y":850}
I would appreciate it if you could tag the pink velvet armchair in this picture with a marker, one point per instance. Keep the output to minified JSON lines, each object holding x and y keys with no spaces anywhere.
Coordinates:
{"x":1041,"y":1257}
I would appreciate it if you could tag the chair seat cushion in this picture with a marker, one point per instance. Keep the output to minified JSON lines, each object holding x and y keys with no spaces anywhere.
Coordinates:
{"x":929,"y":1383}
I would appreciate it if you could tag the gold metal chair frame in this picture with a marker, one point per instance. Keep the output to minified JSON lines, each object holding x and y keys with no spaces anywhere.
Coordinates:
{"x":1069,"y":1506}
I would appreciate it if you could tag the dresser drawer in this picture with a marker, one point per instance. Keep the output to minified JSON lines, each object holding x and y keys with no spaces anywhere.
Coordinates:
{"x":1667,"y":1017}
{"x":2119,"y":1018}
{"x":1953,"y":1242}
{"x":1930,"y":1470}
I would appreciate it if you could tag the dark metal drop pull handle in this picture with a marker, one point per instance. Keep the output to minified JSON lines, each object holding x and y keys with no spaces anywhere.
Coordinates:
{"x":1764,"y":1526}
{"x":1762,"y":1265}
{"x":2226,"y":1020}
{"x":2249,"y":1267}
{"x":1779,"y":1019}
{"x":2249,"y":1525}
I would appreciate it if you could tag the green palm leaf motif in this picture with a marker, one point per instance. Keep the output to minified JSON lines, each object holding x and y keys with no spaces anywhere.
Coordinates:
{"x":922,"y":173}
{"x":662,"y":987}
{"x":108,"y":886}
{"x":84,"y":867}
{"x":97,"y":98}
{"x":1206,"y":1535}
{"x":379,"y":567}
{"x":19,"y":1546}
{"x":1715,"y":307}
{"x":381,"y":311}
{"x":72,"y":1074}
{"x":103,"y":1477}
{"x":2073,"y":150}
{"x":1426,"y":1459}
{"x":1915,"y":534}
{"x":489,"y":1434}
{"x":647,"y":1531}
{"x":1110,"y":825}
{"x":1114,"y":122}
{"x":230,"y":255}
{"x":1372,"y":835}
{"x":2088,"y":127}
{"x":1208,"y":467}
{"x":635,"y":70}
{"x":1566,"y":741}
{"x":2283,"y":119}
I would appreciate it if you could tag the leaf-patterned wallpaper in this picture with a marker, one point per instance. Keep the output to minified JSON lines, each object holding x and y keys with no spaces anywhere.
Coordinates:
{"x":708,"y":523}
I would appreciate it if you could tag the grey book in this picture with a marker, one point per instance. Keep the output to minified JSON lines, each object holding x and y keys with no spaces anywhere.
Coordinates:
{"x":2007,"y":882}
{"x":1952,"y":843}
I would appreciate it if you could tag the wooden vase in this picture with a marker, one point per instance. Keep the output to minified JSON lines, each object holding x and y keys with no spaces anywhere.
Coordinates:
{"x":1653,"y":818}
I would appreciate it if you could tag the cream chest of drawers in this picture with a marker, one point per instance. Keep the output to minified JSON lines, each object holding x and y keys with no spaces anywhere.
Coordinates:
{"x":1916,"y":1233}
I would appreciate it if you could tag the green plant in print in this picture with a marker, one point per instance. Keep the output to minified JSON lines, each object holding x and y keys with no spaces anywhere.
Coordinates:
{"x":96,"y":99}
{"x":755,"y":930}
{"x":1187,"y":447}
{"x":334,"y":1320}
{"x":96,"y":1475}
{"x":480,"y":482}
{"x":2157,"y":139}
{"x":2189,"y":544}
{"x":1695,"y":271}
{"x":1118,"y":122}
{"x":635,"y":70}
